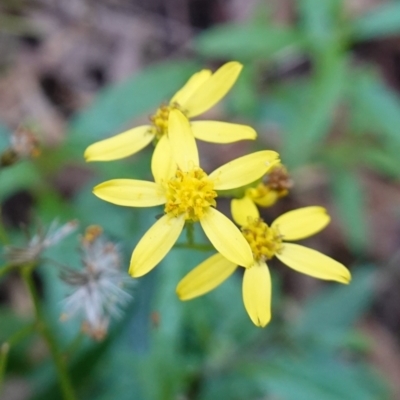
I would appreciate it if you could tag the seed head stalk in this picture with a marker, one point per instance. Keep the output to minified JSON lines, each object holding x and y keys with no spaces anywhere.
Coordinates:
{"x":44,"y":330}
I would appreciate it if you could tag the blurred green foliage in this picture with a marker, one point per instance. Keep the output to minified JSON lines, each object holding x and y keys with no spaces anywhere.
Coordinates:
{"x":207,"y":348}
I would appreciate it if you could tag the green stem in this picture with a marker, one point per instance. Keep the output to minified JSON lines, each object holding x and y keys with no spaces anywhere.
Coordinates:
{"x":3,"y":234}
{"x":62,"y":372}
{"x":190,"y":233}
{"x":200,"y":247}
{"x":4,"y":349}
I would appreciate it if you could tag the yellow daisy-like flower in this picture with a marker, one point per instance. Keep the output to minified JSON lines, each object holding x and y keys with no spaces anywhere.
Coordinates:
{"x":188,"y":194}
{"x":266,"y":242}
{"x":201,"y":92}
{"x":275,"y":185}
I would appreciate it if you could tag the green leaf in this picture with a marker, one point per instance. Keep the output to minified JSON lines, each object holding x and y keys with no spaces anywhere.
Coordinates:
{"x":18,"y":333}
{"x":382,"y":161}
{"x":22,"y":175}
{"x":244,"y":99}
{"x":117,"y":221}
{"x":312,"y":121}
{"x":164,"y":363}
{"x":166,"y":302}
{"x":246,"y":42}
{"x":375,"y":104}
{"x":231,"y":386}
{"x":82,"y":368}
{"x":338,"y":307}
{"x":316,"y":378}
{"x":379,"y":22}
{"x":319,"y":21}
{"x":11,"y":323}
{"x":110,"y":383}
{"x":349,"y":199}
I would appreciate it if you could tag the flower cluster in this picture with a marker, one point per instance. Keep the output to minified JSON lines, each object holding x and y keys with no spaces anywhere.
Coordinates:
{"x":190,"y":195}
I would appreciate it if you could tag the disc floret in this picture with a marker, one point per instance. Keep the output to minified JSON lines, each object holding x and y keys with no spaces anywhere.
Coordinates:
{"x":265,"y":241}
{"x":190,"y":193}
{"x":159,"y":119}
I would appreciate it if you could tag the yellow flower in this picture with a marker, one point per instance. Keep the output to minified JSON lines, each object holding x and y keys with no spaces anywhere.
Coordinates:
{"x":201,"y":92}
{"x":266,"y":242}
{"x":275,"y":185}
{"x":188,"y":194}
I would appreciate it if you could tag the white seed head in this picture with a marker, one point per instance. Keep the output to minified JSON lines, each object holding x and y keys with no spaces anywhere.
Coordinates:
{"x":98,"y":289}
{"x":41,"y":240}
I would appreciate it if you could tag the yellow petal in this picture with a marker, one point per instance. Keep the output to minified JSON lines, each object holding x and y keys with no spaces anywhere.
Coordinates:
{"x":163,"y":166}
{"x":301,"y":223}
{"x":205,"y":277}
{"x":190,"y":87}
{"x":222,"y":132}
{"x":268,"y":199}
{"x":244,"y":170}
{"x":313,"y":263}
{"x":131,"y":193}
{"x":257,"y":293}
{"x":183,"y":144}
{"x":120,"y":146}
{"x":155,"y":244}
{"x":213,"y":89}
{"x":244,"y":209}
{"x":226,"y":238}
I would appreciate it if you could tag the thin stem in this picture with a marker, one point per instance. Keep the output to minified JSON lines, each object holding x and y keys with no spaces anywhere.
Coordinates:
{"x":62,"y":372}
{"x":4,"y":350}
{"x":3,"y":234}
{"x":190,"y":233}
{"x":200,"y":247}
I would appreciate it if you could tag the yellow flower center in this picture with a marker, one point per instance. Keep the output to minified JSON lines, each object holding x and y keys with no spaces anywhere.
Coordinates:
{"x":159,"y":120}
{"x":190,"y":193}
{"x":264,"y":241}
